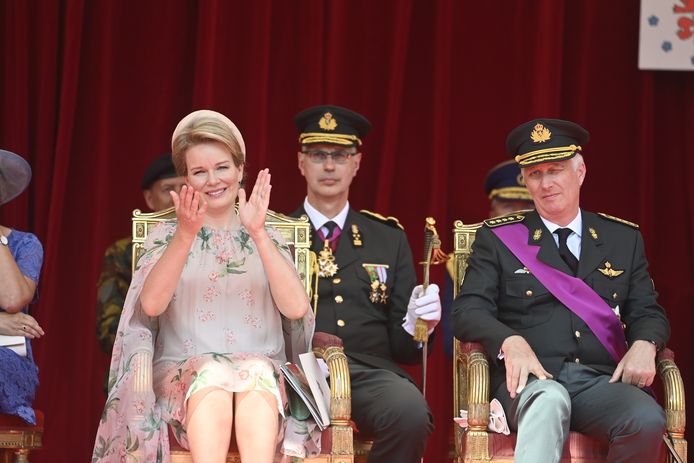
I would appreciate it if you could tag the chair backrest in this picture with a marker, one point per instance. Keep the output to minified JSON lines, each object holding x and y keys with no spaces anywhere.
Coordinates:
{"x":296,"y":232}
{"x":463,"y":237}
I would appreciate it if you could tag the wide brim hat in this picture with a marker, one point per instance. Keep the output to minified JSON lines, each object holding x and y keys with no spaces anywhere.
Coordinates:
{"x":545,"y":140}
{"x":15,"y":175}
{"x":333,"y":125}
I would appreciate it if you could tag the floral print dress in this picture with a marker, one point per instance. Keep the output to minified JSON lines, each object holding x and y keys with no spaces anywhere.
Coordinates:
{"x":221,"y":329}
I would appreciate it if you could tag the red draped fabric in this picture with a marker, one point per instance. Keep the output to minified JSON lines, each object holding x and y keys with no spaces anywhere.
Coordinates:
{"x":90,"y":92}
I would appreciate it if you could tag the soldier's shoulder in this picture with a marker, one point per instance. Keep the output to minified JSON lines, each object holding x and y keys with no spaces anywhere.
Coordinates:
{"x":500,"y":221}
{"x":120,"y":247}
{"x":612,"y":218}
{"x":379,"y":218}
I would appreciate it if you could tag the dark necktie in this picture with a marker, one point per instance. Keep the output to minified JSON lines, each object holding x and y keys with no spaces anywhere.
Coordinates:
{"x":564,"y":251}
{"x":331,"y":226}
{"x":333,"y":234}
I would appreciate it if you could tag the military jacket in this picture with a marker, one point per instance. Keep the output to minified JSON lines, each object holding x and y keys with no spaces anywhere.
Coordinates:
{"x":370,"y":331}
{"x":500,"y":298}
{"x":112,"y":288}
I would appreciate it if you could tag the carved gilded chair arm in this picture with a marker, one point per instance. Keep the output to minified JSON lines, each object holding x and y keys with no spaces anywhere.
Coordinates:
{"x":673,"y":388}
{"x":477,"y":372}
{"x":329,"y":348}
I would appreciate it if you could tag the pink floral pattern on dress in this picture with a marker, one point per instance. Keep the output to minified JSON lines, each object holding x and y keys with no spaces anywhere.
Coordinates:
{"x":188,"y":346}
{"x":210,"y":314}
{"x":246,"y":296}
{"x":229,"y":336}
{"x":252,"y":320}
{"x":210,"y":293}
{"x":205,"y":315}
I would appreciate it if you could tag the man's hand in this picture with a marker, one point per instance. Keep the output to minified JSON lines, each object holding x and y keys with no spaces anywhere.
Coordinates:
{"x":520,"y":361}
{"x":637,"y":367}
{"x":425,"y":306}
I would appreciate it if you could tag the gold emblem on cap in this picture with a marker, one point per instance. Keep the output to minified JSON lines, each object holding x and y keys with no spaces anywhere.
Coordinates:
{"x":537,"y":235}
{"x":327,"y":122}
{"x":593,"y":233}
{"x":608,"y":271}
{"x":540,"y":134}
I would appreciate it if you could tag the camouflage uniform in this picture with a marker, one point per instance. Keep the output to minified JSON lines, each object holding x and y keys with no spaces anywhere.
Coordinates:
{"x":113,"y":285}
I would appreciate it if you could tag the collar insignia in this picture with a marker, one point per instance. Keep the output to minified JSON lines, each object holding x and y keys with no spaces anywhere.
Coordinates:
{"x":537,"y":234}
{"x":540,"y":134}
{"x":356,"y":236}
{"x":608,"y":271}
{"x":593,"y":233}
{"x":327,"y":122}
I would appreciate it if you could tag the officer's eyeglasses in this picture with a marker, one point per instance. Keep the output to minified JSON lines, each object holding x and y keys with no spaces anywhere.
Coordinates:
{"x":319,"y":157}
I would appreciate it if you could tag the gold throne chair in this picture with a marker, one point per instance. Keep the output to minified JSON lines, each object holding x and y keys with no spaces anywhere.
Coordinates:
{"x":336,"y":440}
{"x":18,"y":438}
{"x":471,"y":392}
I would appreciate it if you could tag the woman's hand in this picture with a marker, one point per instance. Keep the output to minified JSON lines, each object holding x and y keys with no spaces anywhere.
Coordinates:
{"x":19,"y":324}
{"x":190,"y":210}
{"x":252,"y":212}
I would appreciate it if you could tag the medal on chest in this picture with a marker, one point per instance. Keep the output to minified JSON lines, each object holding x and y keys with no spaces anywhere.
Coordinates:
{"x":378,"y":274}
{"x":326,"y":262}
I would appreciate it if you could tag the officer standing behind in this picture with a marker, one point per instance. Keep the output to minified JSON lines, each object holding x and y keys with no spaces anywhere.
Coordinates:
{"x":158,"y":180}
{"x":562,"y":301}
{"x":366,"y":290}
{"x":507,"y":193}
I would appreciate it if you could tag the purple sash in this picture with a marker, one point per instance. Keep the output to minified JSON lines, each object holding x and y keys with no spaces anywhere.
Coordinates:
{"x":573,"y":292}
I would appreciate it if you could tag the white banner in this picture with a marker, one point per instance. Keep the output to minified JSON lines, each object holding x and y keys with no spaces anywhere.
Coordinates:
{"x":667,"y":35}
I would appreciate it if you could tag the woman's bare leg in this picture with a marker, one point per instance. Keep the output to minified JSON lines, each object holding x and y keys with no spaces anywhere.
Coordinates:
{"x":209,"y":418}
{"x":256,"y":426}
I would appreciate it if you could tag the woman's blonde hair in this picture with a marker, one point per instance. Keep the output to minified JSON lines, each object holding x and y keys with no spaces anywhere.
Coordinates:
{"x":205,"y":127}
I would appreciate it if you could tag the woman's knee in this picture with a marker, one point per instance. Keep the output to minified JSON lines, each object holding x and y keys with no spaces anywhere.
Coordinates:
{"x":216,"y":404}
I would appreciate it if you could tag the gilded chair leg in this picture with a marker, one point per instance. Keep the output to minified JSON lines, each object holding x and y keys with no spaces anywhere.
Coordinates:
{"x":21,"y":456}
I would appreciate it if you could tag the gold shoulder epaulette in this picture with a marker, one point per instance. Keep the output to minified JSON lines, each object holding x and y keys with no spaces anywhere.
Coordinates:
{"x":390,"y":220}
{"x":504,"y":220}
{"x":618,"y":220}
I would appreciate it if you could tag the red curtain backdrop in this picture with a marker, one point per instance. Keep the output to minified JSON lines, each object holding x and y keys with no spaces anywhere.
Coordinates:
{"x":90,"y":92}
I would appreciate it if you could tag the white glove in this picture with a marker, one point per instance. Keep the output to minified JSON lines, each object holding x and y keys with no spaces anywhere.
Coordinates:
{"x":425,"y":306}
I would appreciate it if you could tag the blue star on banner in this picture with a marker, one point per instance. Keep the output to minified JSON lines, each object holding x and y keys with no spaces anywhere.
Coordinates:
{"x":653,"y":20}
{"x":666,"y":46}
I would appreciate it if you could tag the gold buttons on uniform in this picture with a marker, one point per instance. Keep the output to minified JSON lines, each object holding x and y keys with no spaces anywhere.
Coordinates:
{"x":577,"y":333}
{"x":578,"y":360}
{"x":614,"y":295}
{"x":528,"y":293}
{"x":336,"y":281}
{"x":340,"y":323}
{"x":338,"y":299}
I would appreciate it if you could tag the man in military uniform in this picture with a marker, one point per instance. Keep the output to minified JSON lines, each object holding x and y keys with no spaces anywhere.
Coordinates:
{"x":505,"y":188}
{"x":562,"y":301}
{"x":366,"y":289}
{"x":158,"y":181}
